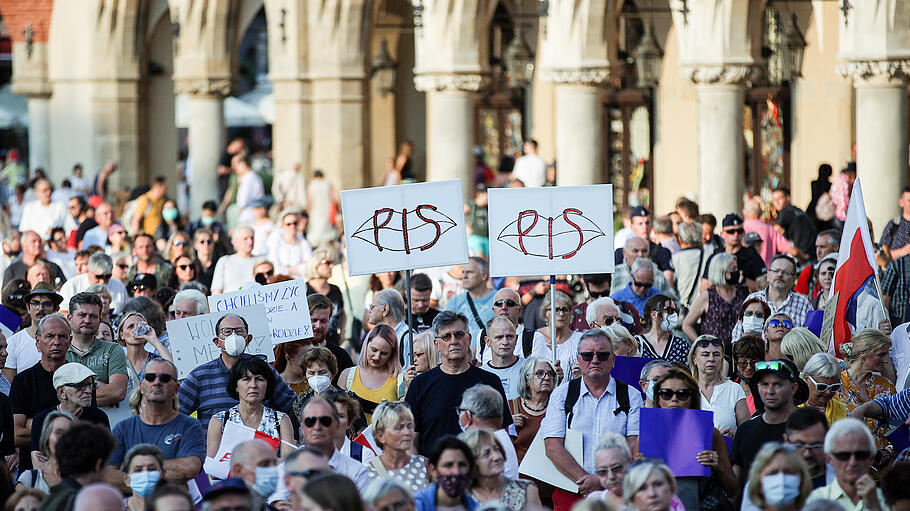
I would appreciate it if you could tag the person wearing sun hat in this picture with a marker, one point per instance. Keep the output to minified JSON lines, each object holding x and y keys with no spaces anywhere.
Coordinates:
{"x":75,"y":387}
{"x":23,"y":353}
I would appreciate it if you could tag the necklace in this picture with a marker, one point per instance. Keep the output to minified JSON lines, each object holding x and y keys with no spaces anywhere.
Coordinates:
{"x":524,"y":403}
{"x":79,"y":351}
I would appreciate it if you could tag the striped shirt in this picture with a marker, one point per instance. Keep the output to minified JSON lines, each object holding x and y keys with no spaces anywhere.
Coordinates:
{"x":896,"y":407}
{"x":895,"y":284}
{"x":205,"y":391}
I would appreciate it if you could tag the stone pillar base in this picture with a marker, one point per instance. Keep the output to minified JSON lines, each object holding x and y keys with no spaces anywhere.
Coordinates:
{"x":39,"y":133}
{"x":450,"y":137}
{"x":206,"y":144}
{"x":339,"y":130}
{"x":579,"y":135}
{"x":720,"y":148}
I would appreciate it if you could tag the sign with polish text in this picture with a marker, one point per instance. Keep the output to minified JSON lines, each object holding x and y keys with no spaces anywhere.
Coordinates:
{"x":285,"y":307}
{"x":404,"y":227}
{"x":551,"y":231}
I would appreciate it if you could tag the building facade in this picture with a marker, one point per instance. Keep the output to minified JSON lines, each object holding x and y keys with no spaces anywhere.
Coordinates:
{"x":705,"y":98}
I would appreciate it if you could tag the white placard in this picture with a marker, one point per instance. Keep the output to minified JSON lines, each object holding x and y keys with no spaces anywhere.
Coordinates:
{"x":551,"y":231}
{"x":191,"y":338}
{"x":404,"y":227}
{"x":285,"y":307}
{"x":538,"y":465}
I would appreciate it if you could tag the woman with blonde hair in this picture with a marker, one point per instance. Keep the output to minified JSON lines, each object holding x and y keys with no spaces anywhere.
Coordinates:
{"x":566,"y":338}
{"x":393,"y":430}
{"x":868,"y":359}
{"x":800,"y":344}
{"x":624,"y":344}
{"x":650,"y":486}
{"x":426,"y":357}
{"x":779,"y":479}
{"x":718,"y":394}
{"x":318,"y":271}
{"x":375,"y":377}
{"x":134,"y":332}
{"x":490,"y":486}
{"x":822,"y":376}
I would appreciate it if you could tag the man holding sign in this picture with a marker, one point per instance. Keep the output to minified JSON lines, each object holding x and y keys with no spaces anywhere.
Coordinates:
{"x":205,"y":389}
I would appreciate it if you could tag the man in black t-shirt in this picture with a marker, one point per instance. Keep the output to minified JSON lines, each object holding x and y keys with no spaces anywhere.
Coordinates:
{"x":778,"y":384}
{"x":434,"y":395}
{"x":422,"y":313}
{"x":75,"y":386}
{"x":748,"y":261}
{"x":798,"y":227}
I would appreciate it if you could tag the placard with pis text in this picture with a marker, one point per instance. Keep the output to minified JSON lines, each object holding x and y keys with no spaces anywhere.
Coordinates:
{"x":192,"y":343}
{"x":404,"y":227}
{"x":285,"y":307}
{"x":551,"y":231}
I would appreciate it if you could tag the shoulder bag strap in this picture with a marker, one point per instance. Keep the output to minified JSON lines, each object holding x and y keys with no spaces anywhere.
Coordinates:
{"x":697,"y":279}
{"x":474,"y":311}
{"x":379,"y":467}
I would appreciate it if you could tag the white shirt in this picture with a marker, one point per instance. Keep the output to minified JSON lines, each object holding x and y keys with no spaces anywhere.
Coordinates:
{"x":80,"y":283}
{"x":565,"y":352}
{"x":95,"y":236}
{"x":531,"y":169}
{"x":233,"y":271}
{"x":509,"y":376}
{"x":519,"y":351}
{"x":65,"y":260}
{"x":723,"y":404}
{"x":23,"y":352}
{"x":41,"y":219}
{"x":286,"y":256}
{"x":350,"y":468}
{"x":249,"y":188}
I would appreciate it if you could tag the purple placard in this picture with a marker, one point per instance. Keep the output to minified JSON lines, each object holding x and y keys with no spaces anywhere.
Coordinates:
{"x":677,"y":436}
{"x":900,"y":438}
{"x":814,"y":321}
{"x":628,"y":370}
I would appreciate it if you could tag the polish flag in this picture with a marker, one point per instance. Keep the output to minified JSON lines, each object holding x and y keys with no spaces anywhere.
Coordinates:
{"x":233,"y":435}
{"x":365,"y":438}
{"x":9,"y":321}
{"x":855,"y":268}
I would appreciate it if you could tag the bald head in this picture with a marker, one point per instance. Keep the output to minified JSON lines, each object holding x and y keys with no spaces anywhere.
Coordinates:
{"x":506,"y":297}
{"x":251,"y":454}
{"x":99,"y":497}
{"x":635,"y":248}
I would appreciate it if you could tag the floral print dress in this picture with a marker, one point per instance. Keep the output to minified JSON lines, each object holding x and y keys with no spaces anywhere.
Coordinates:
{"x":877,"y":386}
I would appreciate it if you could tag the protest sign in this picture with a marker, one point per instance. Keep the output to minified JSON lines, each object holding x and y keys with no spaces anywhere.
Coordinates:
{"x":404,"y":227}
{"x":285,"y":307}
{"x":677,"y":436}
{"x":900,"y":438}
{"x":628,"y":370}
{"x":191,"y":338}
{"x":551,"y":231}
{"x":232,"y":435}
{"x":536,"y":464}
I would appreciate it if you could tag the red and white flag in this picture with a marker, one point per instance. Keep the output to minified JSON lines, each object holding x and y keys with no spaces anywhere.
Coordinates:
{"x":855,"y":268}
{"x":232,"y":435}
{"x":365,"y":438}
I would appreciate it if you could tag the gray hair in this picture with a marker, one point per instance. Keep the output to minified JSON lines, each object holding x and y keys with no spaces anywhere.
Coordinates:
{"x":560,"y":298}
{"x":49,"y":317}
{"x":689,"y":233}
{"x":300,"y":451}
{"x":483,"y":401}
{"x":591,"y":334}
{"x":663,"y":225}
{"x":591,"y":311}
{"x":392,"y":298}
{"x":47,"y":427}
{"x":822,"y":365}
{"x":142,"y":450}
{"x":614,"y":441}
{"x":97,"y":496}
{"x":526,"y":373}
{"x":657,"y":362}
{"x":99,"y":289}
{"x":100,"y":263}
{"x":823,"y":505}
{"x":116,"y":256}
{"x":718,"y":268}
{"x":642,"y":263}
{"x":379,"y":488}
{"x":194,"y":296}
{"x":481,"y":263}
{"x":446,"y":318}
{"x":846,"y":427}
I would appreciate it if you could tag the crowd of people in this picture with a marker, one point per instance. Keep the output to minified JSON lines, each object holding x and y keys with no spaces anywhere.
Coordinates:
{"x":472,"y":395}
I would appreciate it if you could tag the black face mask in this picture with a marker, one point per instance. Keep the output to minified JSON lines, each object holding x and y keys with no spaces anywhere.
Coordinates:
{"x":734,"y":277}
{"x":14,"y":254}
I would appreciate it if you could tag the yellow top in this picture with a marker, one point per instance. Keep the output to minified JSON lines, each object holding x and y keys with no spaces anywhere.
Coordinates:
{"x":834,"y":411}
{"x":369,"y":399}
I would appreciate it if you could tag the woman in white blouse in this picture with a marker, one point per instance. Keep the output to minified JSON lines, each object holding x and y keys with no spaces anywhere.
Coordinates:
{"x":719,"y":395}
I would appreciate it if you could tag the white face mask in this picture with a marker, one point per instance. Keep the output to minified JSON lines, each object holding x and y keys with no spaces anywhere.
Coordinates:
{"x":752,"y":324}
{"x":234,"y":345}
{"x":319,"y":383}
{"x":669,"y":322}
{"x":266,"y":480}
{"x":780,"y":489}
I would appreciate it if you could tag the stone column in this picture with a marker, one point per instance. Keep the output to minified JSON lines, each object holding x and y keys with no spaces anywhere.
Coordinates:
{"x":579,"y":134}
{"x":39,"y":132}
{"x":720,"y":93}
{"x":206,"y":139}
{"x":339,"y":134}
{"x":881,"y":134}
{"x":30,"y":79}
{"x":115,"y":110}
{"x":292,"y":129}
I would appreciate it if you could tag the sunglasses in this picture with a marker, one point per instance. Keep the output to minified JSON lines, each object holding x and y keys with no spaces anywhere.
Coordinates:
{"x":82,"y":387}
{"x":178,"y":243}
{"x":618,"y":468}
{"x":681,"y":394}
{"x":162,"y":377}
{"x":598,"y":294}
{"x":735,"y":231}
{"x":644,"y":285}
{"x":609,"y":320}
{"x":588,"y":356}
{"x":505,"y":303}
{"x":846,"y":455}
{"x":775,"y":365}
{"x":774,"y":323}
{"x":123,"y":266}
{"x":562,"y":310}
{"x":750,"y":314}
{"x":825,"y":387}
{"x":704,"y":343}
{"x":325,"y":420}
{"x":184,"y":266}
{"x":306,"y":474}
{"x":458,"y":335}
{"x":205,"y":242}
{"x":103,"y":276}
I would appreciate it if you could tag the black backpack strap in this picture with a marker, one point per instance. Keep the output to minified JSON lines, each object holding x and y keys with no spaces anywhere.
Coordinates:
{"x":572,"y":395}
{"x":474,"y":311}
{"x":622,"y":398}
{"x":527,"y":341}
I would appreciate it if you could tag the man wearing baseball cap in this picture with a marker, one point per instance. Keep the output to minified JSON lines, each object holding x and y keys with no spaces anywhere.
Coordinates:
{"x":75,"y":386}
{"x":750,"y":264}
{"x":640,"y":220}
{"x":780,"y":389}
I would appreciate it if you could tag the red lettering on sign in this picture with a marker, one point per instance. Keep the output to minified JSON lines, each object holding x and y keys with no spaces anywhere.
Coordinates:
{"x":419,"y":213}
{"x":581,"y":237}
{"x":377,"y":225}
{"x":523,"y":232}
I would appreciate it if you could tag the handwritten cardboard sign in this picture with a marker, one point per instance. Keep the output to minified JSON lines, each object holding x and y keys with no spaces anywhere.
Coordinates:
{"x":404,"y":227}
{"x":191,"y":338}
{"x":285,"y":307}
{"x":551,"y":231}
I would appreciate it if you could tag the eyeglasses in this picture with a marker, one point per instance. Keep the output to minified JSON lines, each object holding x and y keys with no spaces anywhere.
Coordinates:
{"x":785,"y":273}
{"x":103,"y":276}
{"x":325,"y":420}
{"x":459,"y":410}
{"x":162,"y":377}
{"x":745,"y":362}
{"x":645,"y":285}
{"x":544,"y":374}
{"x":308,"y":473}
{"x":774,"y":323}
{"x":226,"y":331}
{"x":588,"y":356}
{"x":704,"y":343}
{"x":505,"y":303}
{"x":671,"y":310}
{"x":750,"y":314}
{"x":37,"y":304}
{"x":775,"y":365}
{"x":825,"y":387}
{"x":846,"y":455}
{"x":178,"y":243}
{"x":83,"y":386}
{"x":447,"y":337}
{"x":681,"y":394}
{"x":563,"y":310}
{"x":204,"y":241}
{"x":609,"y":320}
{"x":618,"y":468}
{"x":735,"y":231}
{"x":122,"y":266}
{"x":803,"y":447}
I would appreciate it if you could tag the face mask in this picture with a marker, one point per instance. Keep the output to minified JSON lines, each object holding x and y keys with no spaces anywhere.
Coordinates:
{"x":734,"y":277}
{"x":169,"y":214}
{"x":752,"y":324}
{"x":454,"y":485}
{"x":669,"y":322}
{"x":143,"y":483}
{"x":780,"y":489}
{"x":319,"y":383}
{"x":266,"y":480}
{"x":650,"y":392}
{"x":234,"y":345}
{"x":207,"y":220}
